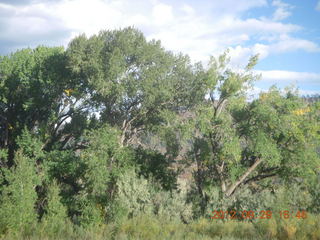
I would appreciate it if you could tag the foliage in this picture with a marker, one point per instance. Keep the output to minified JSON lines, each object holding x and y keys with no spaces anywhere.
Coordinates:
{"x":55,"y":217}
{"x":117,"y":138}
{"x":32,"y":83}
{"x":123,"y":70}
{"x":154,"y":164}
{"x":18,"y":197}
{"x":134,"y":194}
{"x":237,"y":143}
{"x":103,"y":161}
{"x":173,"y":206}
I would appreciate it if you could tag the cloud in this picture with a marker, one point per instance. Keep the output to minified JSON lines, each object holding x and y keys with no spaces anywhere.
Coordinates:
{"x":308,"y":92}
{"x":287,"y":44}
{"x":200,"y":30}
{"x":307,"y":83}
{"x":23,"y":26}
{"x":240,"y":55}
{"x":89,"y":17}
{"x":188,"y":9}
{"x":201,"y":36}
{"x":318,"y":6}
{"x":19,"y":2}
{"x":256,"y":91}
{"x":162,"y":14}
{"x":285,"y":77}
{"x":282,"y":10}
{"x":16,"y":2}
{"x":219,"y":7}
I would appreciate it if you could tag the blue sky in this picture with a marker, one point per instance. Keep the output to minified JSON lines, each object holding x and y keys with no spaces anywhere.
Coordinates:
{"x":286,"y":33}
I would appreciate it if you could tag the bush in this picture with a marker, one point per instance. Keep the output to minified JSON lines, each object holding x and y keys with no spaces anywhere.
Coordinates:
{"x":172,"y":206}
{"x":137,"y":195}
{"x":133,"y":195}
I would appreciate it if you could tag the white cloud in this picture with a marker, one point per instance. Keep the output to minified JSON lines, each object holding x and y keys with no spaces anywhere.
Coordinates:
{"x":188,"y":9}
{"x":89,"y":17}
{"x":254,"y":93}
{"x":307,"y":83}
{"x":199,"y":30}
{"x":288,"y":44}
{"x":162,"y":14}
{"x":282,"y":11}
{"x":23,"y":26}
{"x":240,"y":55}
{"x":280,"y":76}
{"x":232,"y":7}
{"x":308,"y":92}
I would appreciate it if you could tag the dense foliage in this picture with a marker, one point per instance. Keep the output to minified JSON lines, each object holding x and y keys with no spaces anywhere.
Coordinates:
{"x":116,"y":137}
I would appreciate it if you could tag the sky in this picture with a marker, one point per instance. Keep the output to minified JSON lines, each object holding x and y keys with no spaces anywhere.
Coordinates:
{"x":285,"y":33}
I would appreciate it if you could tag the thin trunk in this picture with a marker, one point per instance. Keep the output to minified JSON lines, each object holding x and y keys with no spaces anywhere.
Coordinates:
{"x":221,"y":177}
{"x":123,"y":134}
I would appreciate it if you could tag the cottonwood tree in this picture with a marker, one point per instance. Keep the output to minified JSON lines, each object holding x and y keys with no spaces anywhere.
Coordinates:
{"x":134,"y":83}
{"x":37,"y":93}
{"x":137,"y":88}
{"x":237,"y":142}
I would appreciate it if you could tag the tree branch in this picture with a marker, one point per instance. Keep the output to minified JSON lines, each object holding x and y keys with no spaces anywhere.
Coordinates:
{"x":233,"y":187}
{"x":260,"y":177}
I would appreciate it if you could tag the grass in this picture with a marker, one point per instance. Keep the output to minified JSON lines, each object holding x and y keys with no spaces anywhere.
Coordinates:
{"x":151,"y":227}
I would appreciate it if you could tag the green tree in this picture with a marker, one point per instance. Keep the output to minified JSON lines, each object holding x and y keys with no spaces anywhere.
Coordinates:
{"x":55,"y":217}
{"x":132,"y":81}
{"x":104,"y":160}
{"x":18,"y":197}
{"x":38,"y":93}
{"x":136,"y":87}
{"x":238,"y":142}
{"x":30,"y":85}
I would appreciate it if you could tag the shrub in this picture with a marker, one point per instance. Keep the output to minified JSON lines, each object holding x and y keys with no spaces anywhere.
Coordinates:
{"x":172,"y":206}
{"x":133,"y":195}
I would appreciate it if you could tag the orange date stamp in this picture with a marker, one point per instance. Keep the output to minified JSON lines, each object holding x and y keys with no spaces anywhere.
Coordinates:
{"x":263,"y":214}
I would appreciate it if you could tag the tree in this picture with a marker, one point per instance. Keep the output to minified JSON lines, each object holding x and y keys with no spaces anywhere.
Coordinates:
{"x":38,"y":93}
{"x":18,"y":197}
{"x":238,"y":142}
{"x":136,"y":88}
{"x":132,"y":81}
{"x":104,"y":160}
{"x":55,"y":216}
